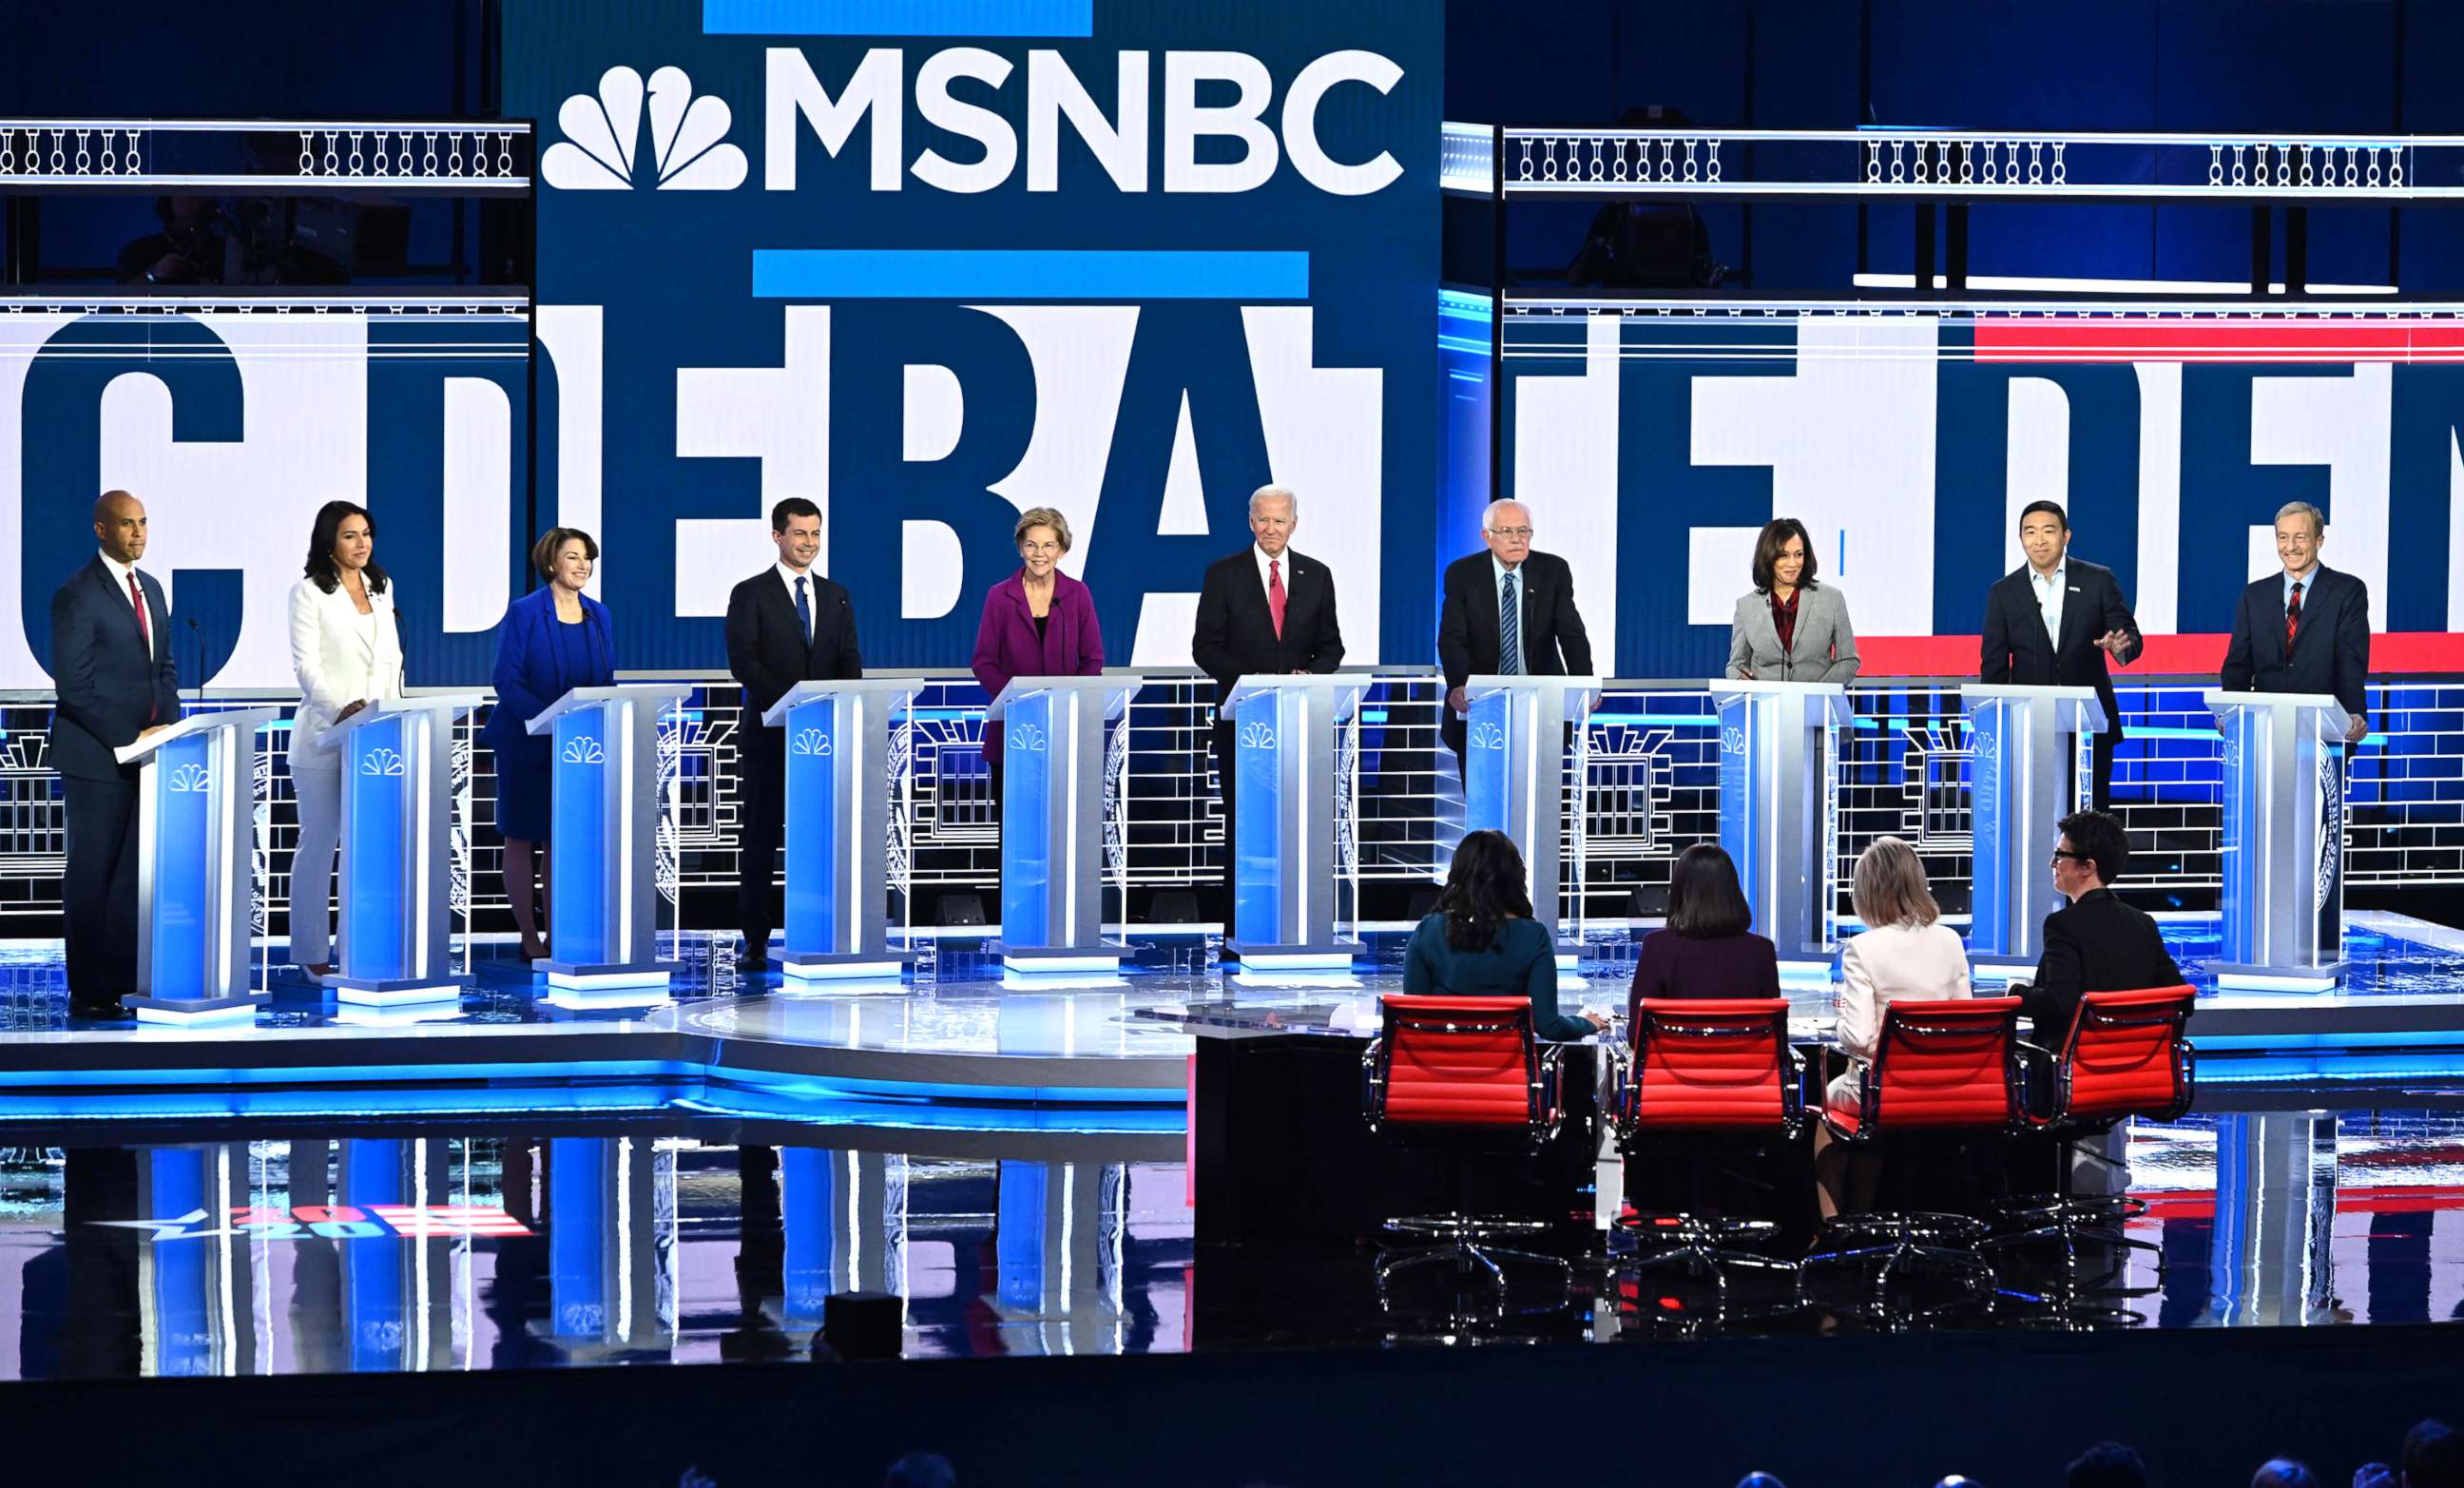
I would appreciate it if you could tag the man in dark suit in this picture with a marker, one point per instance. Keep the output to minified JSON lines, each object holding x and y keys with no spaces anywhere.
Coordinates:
{"x":2058,"y":621}
{"x":2095,"y":943}
{"x":1264,"y":609}
{"x":1548,"y":634}
{"x":111,"y":664}
{"x":2306,"y":630}
{"x":785,"y":625}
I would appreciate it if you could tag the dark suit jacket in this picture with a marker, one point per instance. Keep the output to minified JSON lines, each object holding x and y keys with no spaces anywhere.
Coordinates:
{"x":2097,"y":944}
{"x":1236,"y":632}
{"x":2331,"y":655}
{"x":2015,"y":650}
{"x":1670,"y":965}
{"x":110,"y":686}
{"x":767,"y":651}
{"x":1555,"y":643}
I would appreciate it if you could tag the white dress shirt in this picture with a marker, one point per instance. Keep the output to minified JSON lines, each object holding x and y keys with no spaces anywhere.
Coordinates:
{"x":791,"y":577}
{"x":1283,"y":558}
{"x":2049,"y":597}
{"x":1496,"y":573}
{"x":121,"y":576}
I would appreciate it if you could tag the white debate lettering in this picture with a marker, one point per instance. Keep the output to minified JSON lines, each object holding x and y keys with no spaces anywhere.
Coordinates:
{"x":875,"y":92}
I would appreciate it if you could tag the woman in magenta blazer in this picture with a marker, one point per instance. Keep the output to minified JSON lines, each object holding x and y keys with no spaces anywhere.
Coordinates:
{"x":1038,"y":622}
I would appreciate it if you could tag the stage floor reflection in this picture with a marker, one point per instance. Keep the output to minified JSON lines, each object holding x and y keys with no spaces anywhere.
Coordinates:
{"x":675,"y":1240}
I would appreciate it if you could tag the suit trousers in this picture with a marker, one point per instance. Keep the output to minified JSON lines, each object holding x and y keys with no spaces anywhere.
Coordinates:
{"x":761,"y":820}
{"x":317,"y":788}
{"x":99,"y":888}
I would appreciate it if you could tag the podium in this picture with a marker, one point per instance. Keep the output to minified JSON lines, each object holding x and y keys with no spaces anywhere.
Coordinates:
{"x":838,"y":825}
{"x":603,"y":915}
{"x":196,"y":827}
{"x":2022,"y":742}
{"x":394,"y":943}
{"x":1514,"y":770}
{"x":1052,"y":820}
{"x":2283,"y":840}
{"x":1779,"y":807}
{"x":1284,"y":879}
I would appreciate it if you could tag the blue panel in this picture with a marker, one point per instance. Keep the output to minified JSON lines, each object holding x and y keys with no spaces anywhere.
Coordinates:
{"x":1989,"y":812}
{"x":898,"y":17}
{"x":1740,"y":803}
{"x":585,"y":838}
{"x":1026,"y":846}
{"x":1258,"y":880}
{"x":1026,"y":274}
{"x":814,"y":854}
{"x":577,"y":1221}
{"x":1019,"y":1229}
{"x":1488,"y":764}
{"x":375,"y":1307}
{"x":809,"y":1181}
{"x":376,"y":773}
{"x":185,"y":800}
{"x":183,"y":1280}
{"x":2242,"y":910}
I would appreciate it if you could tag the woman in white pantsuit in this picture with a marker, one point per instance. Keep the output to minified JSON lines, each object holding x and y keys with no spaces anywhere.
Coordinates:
{"x":346,"y":650}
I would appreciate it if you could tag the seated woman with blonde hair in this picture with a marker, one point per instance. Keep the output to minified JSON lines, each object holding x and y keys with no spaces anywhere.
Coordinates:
{"x":1905,"y":951}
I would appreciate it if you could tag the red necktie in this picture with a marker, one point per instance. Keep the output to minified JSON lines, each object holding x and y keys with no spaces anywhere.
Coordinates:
{"x":2293,"y":616}
{"x":144,"y":631}
{"x":1275,"y":593}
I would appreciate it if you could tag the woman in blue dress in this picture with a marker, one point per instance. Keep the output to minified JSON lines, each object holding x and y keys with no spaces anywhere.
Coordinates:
{"x":553,"y":639}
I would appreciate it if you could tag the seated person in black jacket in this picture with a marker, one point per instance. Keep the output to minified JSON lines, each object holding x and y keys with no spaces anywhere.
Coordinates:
{"x":1484,"y":942}
{"x":2095,"y":943}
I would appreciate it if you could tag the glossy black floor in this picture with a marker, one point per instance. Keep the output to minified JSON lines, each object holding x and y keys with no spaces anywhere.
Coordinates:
{"x":323,"y":1247}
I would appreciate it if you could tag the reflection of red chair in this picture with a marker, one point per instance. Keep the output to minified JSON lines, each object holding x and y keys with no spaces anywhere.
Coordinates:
{"x":1942,"y":1068}
{"x":1466,"y":1074}
{"x":1708,"y":1071}
{"x":2128,"y":1054}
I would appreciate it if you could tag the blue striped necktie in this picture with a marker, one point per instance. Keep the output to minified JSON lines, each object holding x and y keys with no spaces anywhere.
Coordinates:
{"x":1509,"y":629}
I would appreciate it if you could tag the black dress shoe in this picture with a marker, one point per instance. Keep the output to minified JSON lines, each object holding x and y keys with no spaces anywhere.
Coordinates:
{"x":753,"y":964}
{"x":96,"y":1010}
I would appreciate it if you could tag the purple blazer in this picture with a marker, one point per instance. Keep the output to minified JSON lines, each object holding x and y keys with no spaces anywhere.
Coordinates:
{"x":1670,"y":965}
{"x":1006,"y":645}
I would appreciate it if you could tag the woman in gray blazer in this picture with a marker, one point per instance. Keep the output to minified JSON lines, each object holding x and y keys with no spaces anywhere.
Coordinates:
{"x":1791,"y":628}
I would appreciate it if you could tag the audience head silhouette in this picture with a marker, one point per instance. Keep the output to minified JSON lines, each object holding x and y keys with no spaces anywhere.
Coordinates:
{"x":2108,"y":1464}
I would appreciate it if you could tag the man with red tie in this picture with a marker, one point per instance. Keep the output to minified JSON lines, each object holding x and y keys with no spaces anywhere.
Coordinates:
{"x":2306,"y":630}
{"x":1264,"y":609}
{"x":115,"y":681}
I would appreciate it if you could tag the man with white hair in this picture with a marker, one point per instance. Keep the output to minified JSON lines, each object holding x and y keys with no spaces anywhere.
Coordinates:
{"x":2306,"y":630}
{"x":1262,"y":610}
{"x":1507,"y":612}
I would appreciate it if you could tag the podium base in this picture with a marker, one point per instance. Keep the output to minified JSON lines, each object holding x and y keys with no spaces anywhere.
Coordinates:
{"x":576,"y":984}
{"x":193,"y":1011}
{"x":366,"y":992}
{"x":2241,"y":977}
{"x":844,"y":965}
{"x":1324,"y":956}
{"x":1061,"y":959}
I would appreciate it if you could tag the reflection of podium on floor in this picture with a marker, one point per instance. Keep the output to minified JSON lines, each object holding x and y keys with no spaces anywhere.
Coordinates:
{"x":2022,"y":745}
{"x":1779,"y":804}
{"x":1514,"y":773}
{"x":2283,"y":840}
{"x":603,"y":923}
{"x":394,"y":941}
{"x":1052,"y":820}
{"x":196,"y":870}
{"x":1284,"y":880}
{"x":837,"y":802}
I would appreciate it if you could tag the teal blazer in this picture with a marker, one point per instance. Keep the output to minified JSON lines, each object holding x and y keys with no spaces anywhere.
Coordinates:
{"x":1521,"y":962}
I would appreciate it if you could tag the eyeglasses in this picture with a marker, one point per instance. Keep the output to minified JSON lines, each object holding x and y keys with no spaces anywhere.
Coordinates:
{"x":2077,"y":858}
{"x":1513,"y":534}
{"x":1039,"y":547}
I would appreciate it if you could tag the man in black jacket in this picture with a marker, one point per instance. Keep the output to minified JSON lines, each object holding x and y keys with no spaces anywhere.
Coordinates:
{"x":2095,"y":943}
{"x":785,"y":625}
{"x":1471,"y":625}
{"x":2306,"y":630}
{"x":111,"y":664}
{"x":1265,"y":608}
{"x":2058,"y":621}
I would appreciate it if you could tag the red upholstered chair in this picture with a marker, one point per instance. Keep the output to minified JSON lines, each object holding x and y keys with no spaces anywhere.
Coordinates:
{"x":1464,"y":1074}
{"x":1708,"y":1071}
{"x":2128,"y":1054}
{"x":1946,"y":1069}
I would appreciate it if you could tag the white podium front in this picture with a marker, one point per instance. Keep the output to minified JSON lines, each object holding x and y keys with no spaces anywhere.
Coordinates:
{"x":393,"y":943}
{"x":2021,"y":740}
{"x":1052,"y":820}
{"x":602,"y":922}
{"x":1284,"y":884}
{"x":1780,"y":804}
{"x":1514,"y":770}
{"x":2283,"y":839}
{"x":195,"y":875}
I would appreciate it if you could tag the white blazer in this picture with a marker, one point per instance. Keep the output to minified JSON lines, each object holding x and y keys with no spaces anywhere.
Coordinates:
{"x":1890,"y":962}
{"x":338,"y":657}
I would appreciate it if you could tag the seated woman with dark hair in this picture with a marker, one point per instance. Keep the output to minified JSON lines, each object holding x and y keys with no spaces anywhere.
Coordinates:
{"x":1484,"y":942}
{"x":1708,"y":948}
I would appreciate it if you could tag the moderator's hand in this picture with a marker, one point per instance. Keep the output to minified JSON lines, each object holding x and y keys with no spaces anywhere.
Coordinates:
{"x":2356,"y":729}
{"x":1745,"y":673}
{"x":151,"y":730}
{"x":1455,"y":702}
{"x":1599,"y":1021}
{"x":356,"y":705}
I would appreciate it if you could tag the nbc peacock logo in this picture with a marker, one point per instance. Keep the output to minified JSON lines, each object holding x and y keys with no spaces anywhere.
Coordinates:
{"x":1257,"y":736}
{"x":814,"y":742}
{"x":688,"y":149}
{"x":190,"y":778}
{"x":584,"y":750}
{"x":380,"y":762}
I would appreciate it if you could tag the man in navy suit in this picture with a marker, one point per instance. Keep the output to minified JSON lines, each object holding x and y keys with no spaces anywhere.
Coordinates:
{"x":1549,"y":634}
{"x":1263,"y":609}
{"x":785,"y":625}
{"x":2055,"y":621}
{"x":2306,"y":630}
{"x":115,"y":681}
